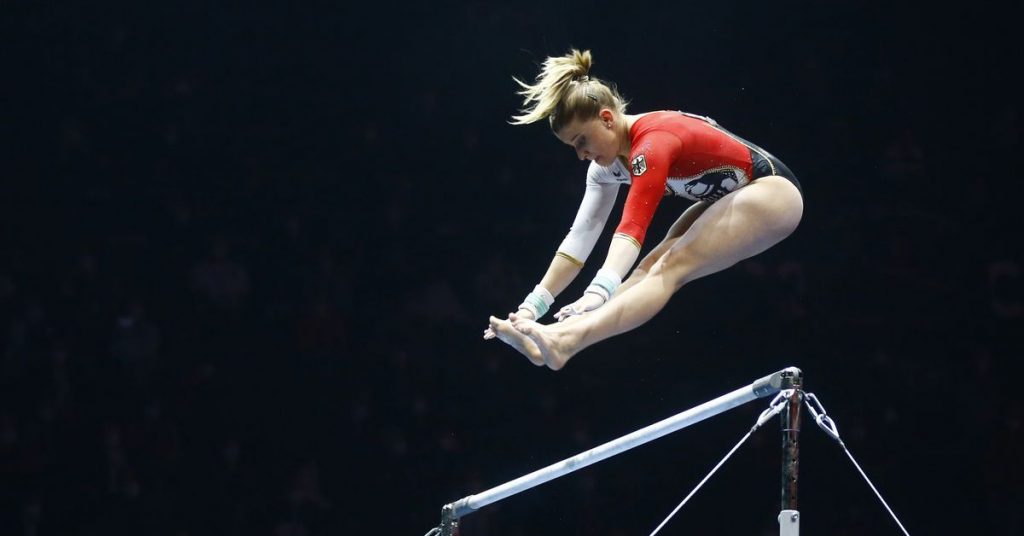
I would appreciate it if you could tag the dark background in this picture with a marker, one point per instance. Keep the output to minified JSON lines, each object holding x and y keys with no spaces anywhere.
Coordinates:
{"x":247,"y":255}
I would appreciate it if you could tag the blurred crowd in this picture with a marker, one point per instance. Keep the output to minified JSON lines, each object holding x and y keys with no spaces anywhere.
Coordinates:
{"x":220,"y":317}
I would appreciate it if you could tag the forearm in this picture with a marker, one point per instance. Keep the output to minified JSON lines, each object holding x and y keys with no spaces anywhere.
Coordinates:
{"x":635,"y":276}
{"x":622,"y":254}
{"x":561,"y":272}
{"x":677,"y":230}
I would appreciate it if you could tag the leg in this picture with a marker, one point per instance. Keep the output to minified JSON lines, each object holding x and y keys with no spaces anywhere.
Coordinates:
{"x":506,"y":333}
{"x":678,"y":228}
{"x":740,"y":225}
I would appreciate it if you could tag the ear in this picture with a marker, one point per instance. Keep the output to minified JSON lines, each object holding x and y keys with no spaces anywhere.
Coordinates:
{"x":607,"y":117}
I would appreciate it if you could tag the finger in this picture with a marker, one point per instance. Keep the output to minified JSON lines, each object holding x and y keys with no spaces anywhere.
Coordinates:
{"x":567,"y":312}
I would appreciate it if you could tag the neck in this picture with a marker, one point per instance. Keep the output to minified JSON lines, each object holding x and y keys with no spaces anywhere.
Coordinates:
{"x":626,"y":143}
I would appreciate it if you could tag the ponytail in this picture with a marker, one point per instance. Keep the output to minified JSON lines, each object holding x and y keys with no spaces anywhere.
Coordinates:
{"x":564,"y":92}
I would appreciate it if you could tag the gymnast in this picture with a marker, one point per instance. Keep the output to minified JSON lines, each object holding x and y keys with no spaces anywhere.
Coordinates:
{"x":746,"y":201}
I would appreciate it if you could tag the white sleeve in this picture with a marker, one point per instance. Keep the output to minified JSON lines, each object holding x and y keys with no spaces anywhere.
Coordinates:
{"x":597,"y":204}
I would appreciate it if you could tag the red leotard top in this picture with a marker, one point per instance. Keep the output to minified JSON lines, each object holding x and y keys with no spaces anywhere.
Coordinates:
{"x":674,"y":153}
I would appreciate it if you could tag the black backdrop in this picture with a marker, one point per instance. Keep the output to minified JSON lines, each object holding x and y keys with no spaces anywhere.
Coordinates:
{"x":248,"y":252}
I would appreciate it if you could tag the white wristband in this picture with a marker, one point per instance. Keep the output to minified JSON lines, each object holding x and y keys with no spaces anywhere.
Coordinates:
{"x":605,"y":283}
{"x":538,"y":302}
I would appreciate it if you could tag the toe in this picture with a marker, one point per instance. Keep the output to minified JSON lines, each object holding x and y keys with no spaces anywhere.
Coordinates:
{"x":524,"y":326}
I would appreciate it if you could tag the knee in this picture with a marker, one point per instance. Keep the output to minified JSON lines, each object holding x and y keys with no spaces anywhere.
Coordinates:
{"x":786,"y":209}
{"x":792,"y":209}
{"x":639,"y":272}
{"x":647,"y":263}
{"x":674,"y":267}
{"x":645,"y":266}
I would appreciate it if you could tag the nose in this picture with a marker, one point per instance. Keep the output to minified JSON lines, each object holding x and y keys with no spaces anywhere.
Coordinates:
{"x":582,"y":155}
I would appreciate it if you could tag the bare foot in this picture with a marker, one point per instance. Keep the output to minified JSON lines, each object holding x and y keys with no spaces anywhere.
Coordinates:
{"x":553,"y":349}
{"x":574,"y":318}
{"x":505,"y":332}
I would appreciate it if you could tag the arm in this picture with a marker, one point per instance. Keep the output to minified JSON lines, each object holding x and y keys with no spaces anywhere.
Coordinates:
{"x":622,"y":253}
{"x":598,"y":201}
{"x":650,"y":164}
{"x":591,"y":217}
{"x":561,"y":272}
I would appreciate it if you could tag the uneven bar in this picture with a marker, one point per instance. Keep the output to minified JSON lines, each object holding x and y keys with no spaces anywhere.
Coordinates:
{"x":768,"y":385}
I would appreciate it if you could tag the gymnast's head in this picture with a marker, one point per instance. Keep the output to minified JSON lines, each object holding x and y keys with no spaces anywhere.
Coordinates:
{"x":583,"y":112}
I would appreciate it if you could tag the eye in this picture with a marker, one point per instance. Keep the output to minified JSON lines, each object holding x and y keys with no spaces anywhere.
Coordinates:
{"x":581,"y":143}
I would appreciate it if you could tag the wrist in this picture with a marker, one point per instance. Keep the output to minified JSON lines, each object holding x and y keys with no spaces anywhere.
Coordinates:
{"x":537,"y":302}
{"x":605,"y":283}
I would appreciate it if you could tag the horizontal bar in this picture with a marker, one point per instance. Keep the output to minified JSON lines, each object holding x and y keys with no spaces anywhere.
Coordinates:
{"x":763,"y":387}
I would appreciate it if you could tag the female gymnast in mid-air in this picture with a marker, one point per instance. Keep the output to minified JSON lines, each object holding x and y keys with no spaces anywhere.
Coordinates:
{"x":746,"y":200}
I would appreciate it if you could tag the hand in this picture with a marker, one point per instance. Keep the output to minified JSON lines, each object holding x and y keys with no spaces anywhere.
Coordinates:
{"x":522,"y":313}
{"x":588,"y":302}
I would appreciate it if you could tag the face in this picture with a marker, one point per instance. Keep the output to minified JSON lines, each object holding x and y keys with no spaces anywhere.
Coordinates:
{"x":594,"y":139}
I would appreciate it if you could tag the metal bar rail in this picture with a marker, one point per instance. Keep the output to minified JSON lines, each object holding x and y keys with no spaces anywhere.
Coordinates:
{"x":763,"y":387}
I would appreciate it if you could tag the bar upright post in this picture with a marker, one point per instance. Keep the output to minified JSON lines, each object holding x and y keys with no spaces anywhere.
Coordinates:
{"x":789,"y":517}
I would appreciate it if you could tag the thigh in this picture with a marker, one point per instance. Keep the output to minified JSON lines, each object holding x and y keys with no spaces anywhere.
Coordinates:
{"x":740,"y":225}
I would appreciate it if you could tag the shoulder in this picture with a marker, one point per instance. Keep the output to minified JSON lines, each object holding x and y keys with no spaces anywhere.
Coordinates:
{"x":659,"y":129}
{"x":615,"y":173}
{"x":656,"y":145}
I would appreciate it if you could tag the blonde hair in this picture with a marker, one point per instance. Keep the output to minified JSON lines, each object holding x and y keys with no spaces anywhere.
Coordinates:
{"x":564,"y":92}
